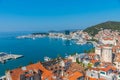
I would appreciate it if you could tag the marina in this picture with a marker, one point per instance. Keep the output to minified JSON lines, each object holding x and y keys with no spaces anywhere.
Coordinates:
{"x":35,"y":50}
{"x":5,"y":56}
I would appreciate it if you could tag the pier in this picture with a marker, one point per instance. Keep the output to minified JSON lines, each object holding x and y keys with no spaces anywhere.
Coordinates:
{"x":3,"y":78}
{"x":5,"y":56}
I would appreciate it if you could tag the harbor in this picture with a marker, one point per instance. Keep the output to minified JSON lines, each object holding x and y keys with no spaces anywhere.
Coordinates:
{"x":35,"y":50}
{"x":5,"y":56}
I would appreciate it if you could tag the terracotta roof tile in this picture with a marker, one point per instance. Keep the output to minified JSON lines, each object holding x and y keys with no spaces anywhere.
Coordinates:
{"x":15,"y":74}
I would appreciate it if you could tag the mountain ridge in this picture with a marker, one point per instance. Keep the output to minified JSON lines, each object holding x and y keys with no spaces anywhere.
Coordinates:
{"x":113,"y":25}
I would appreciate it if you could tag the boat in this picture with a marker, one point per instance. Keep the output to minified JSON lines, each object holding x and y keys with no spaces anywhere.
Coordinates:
{"x":47,"y":59}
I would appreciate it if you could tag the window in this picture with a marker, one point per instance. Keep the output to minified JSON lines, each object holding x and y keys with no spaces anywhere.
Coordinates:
{"x":80,"y":78}
{"x":102,"y":72}
{"x":91,"y":75}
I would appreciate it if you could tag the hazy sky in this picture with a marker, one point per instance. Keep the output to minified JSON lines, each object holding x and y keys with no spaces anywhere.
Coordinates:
{"x":44,"y":15}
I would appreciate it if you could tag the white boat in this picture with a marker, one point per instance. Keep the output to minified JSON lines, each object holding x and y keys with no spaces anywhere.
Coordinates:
{"x":47,"y":59}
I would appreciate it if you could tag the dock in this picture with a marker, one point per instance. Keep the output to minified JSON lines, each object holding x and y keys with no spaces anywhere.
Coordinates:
{"x":5,"y":56}
{"x":3,"y":78}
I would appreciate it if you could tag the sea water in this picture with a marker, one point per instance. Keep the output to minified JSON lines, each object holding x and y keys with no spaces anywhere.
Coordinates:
{"x":35,"y":50}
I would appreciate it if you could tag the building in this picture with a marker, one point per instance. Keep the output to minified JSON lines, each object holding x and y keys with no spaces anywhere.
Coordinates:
{"x":30,"y":72}
{"x":116,"y":49}
{"x":108,"y":40}
{"x":105,"y":72}
{"x":105,"y":53}
{"x":117,"y":61}
{"x":98,"y":50}
{"x":65,"y":69}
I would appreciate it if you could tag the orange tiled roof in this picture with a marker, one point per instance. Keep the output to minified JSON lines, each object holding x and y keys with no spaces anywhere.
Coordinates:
{"x":15,"y":74}
{"x":108,"y":68}
{"x":96,"y":78}
{"x":106,"y":38}
{"x":104,"y":69}
{"x":92,"y":79}
{"x":75,"y":75}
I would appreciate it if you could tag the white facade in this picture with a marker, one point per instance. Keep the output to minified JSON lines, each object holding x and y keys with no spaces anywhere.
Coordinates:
{"x":101,"y":74}
{"x":106,"y":55}
{"x":98,"y":51}
{"x":62,"y":63}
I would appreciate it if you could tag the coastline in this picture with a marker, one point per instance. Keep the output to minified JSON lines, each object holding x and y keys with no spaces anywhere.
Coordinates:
{"x":34,"y":52}
{"x":78,"y":36}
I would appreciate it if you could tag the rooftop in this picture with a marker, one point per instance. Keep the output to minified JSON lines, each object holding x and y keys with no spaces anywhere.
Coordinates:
{"x":15,"y":74}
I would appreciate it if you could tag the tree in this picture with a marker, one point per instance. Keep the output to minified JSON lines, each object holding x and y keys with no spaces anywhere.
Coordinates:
{"x":77,"y":61}
{"x":89,"y":65}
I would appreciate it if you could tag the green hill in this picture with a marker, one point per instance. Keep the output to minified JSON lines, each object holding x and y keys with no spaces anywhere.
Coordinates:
{"x":93,"y":30}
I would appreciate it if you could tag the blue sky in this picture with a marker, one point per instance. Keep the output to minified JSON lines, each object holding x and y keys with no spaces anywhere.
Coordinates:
{"x":45,"y":15}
